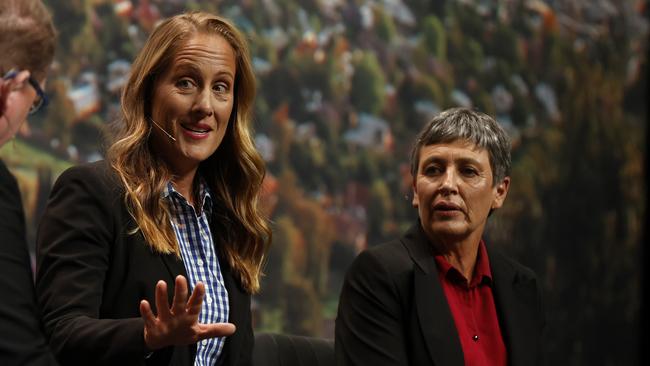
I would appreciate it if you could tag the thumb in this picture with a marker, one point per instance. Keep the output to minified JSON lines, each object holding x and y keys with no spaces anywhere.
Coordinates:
{"x":214,"y":330}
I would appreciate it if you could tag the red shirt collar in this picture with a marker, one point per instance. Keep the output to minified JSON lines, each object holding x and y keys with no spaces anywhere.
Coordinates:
{"x":482,"y":272}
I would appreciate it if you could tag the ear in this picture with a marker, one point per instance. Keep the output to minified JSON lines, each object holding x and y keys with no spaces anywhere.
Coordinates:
{"x":416,"y":201}
{"x":22,"y":76}
{"x":500,"y":193}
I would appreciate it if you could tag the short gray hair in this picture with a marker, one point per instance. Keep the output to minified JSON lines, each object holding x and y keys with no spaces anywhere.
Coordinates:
{"x":28,"y":37}
{"x":468,"y":125}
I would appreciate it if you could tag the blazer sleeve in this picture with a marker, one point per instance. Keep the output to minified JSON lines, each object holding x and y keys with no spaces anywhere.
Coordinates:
{"x":370,"y":321}
{"x":73,"y":251}
{"x":21,"y":338}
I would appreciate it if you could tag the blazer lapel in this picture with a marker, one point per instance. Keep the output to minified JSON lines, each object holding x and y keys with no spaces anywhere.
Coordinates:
{"x":175,"y":267}
{"x":515,"y":296}
{"x":435,"y":319}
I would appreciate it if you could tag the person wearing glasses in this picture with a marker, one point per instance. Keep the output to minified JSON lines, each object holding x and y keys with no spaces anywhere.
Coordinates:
{"x":20,"y":82}
{"x":151,"y":256}
{"x":27,"y":44}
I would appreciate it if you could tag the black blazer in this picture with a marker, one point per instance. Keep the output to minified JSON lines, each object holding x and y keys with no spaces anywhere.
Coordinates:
{"x":92,"y":274}
{"x":393,"y":311}
{"x":21,"y":336}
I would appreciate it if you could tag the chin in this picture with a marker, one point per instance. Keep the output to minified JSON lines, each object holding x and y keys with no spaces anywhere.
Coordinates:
{"x":448,"y":230}
{"x":198,"y":159}
{"x":198,"y":155}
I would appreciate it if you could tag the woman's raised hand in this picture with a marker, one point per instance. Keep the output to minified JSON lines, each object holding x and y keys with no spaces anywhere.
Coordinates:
{"x":178,"y":325}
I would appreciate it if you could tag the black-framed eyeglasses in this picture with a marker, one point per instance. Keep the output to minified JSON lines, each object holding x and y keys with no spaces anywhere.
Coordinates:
{"x":41,"y":100}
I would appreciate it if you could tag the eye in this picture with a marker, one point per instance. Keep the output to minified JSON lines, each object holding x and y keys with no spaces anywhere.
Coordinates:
{"x":431,"y":170}
{"x":221,"y":88}
{"x":469,"y":171}
{"x":185,"y":83}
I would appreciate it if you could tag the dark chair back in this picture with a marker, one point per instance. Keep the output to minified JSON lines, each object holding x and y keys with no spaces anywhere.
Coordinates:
{"x":273,"y":349}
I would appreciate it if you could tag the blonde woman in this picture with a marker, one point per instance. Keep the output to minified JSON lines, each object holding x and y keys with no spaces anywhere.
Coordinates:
{"x":150,"y":257}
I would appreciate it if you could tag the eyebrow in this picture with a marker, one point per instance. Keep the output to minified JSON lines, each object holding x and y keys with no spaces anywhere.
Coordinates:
{"x":437,"y":159}
{"x":186,"y":66}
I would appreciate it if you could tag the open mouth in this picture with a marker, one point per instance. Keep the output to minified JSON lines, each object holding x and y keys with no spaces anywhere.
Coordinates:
{"x":444,"y":206}
{"x":196,"y":129}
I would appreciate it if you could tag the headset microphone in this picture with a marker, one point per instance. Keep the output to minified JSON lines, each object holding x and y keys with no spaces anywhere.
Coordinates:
{"x":163,"y":130}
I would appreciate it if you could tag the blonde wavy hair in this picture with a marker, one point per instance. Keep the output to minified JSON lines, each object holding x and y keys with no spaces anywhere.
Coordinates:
{"x":234,"y":172}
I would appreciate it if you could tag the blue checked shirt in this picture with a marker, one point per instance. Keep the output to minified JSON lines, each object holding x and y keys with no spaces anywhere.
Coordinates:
{"x":201,"y":262}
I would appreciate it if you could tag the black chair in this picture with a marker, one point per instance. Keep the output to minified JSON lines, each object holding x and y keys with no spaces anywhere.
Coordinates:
{"x":273,"y":349}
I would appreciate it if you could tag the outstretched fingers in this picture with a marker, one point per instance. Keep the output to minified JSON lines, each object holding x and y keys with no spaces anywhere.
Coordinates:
{"x":162,"y":302}
{"x":180,"y":296}
{"x":147,"y":315}
{"x":178,"y":325}
{"x":196,"y":300}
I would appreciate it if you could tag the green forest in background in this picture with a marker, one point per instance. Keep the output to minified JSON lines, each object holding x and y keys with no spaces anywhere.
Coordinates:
{"x":344,"y":86}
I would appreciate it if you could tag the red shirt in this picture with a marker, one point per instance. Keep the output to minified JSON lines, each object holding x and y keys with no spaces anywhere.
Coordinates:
{"x":474,"y":311}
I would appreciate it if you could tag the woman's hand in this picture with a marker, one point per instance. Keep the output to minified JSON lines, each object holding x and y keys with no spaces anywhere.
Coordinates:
{"x":178,"y":325}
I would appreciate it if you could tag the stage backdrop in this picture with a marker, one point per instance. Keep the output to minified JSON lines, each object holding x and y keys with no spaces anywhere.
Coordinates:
{"x":344,"y":85}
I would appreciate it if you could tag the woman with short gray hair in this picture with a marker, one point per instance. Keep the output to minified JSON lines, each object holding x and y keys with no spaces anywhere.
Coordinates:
{"x":440,"y":295}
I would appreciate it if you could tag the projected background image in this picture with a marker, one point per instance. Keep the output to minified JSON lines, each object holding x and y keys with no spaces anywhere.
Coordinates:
{"x":344,"y":85}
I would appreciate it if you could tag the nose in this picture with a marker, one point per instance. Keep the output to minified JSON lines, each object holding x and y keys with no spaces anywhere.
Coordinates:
{"x":203,"y":103}
{"x":449,"y":182}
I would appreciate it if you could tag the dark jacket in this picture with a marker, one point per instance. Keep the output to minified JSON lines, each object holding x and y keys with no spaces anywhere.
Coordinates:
{"x":21,"y":336}
{"x":393,"y":310}
{"x":92,"y":273}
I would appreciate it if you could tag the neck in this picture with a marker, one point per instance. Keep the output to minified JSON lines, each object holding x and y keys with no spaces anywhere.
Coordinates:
{"x":184,"y":184}
{"x":461,"y":254}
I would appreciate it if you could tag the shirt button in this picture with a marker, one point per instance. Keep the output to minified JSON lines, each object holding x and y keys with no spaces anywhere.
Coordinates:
{"x":204,"y":342}
{"x":475,"y":338}
{"x":208,"y":300}
{"x":199,"y":262}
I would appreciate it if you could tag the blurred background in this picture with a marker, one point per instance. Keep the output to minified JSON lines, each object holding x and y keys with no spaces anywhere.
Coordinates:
{"x":344,"y":86}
